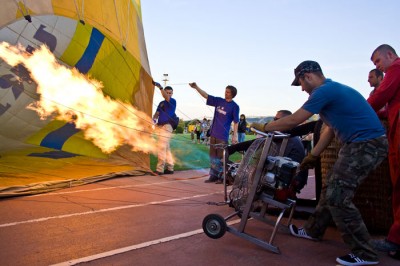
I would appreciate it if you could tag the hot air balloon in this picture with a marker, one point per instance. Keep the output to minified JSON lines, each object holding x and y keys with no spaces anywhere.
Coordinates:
{"x":101,"y":39}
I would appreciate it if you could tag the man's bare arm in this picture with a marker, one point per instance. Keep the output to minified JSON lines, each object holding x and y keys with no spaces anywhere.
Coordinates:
{"x":202,"y":93}
{"x":288,"y":122}
{"x":325,"y":139}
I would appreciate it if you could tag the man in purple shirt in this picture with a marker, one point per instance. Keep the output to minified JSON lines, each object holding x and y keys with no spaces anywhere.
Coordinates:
{"x":226,"y":111}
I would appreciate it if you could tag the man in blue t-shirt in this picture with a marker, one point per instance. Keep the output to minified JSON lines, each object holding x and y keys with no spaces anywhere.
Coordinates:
{"x":163,"y":116}
{"x":226,"y":111}
{"x":348,"y":116}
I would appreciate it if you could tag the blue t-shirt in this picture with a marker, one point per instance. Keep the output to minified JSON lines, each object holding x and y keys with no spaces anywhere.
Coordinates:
{"x":224,"y":113}
{"x":166,"y":110}
{"x":346,"y":111}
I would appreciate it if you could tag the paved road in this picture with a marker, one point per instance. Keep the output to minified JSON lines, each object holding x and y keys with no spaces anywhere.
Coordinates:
{"x":145,"y":220}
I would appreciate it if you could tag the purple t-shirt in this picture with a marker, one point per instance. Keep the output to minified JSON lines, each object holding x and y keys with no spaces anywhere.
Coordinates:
{"x":225,"y":112}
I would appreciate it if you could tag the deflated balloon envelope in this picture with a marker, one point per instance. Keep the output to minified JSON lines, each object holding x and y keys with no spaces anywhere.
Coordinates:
{"x":103,"y":39}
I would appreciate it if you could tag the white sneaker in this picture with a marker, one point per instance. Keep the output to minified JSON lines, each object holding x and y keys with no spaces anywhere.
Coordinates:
{"x":300,"y":232}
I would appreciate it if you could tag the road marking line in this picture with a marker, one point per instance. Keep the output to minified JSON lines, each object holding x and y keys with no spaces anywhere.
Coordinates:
{"x":105,"y":210}
{"x":98,"y":189}
{"x":134,"y":247}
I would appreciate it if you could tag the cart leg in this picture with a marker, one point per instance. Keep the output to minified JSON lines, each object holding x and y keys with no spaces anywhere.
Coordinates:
{"x":256,"y":180}
{"x":231,"y":215}
{"x":263,"y":209}
{"x":225,"y":160}
{"x":292,"y":209}
{"x":276,"y":226}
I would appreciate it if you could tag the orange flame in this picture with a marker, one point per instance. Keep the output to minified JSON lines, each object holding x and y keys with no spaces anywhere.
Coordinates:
{"x":71,"y":96}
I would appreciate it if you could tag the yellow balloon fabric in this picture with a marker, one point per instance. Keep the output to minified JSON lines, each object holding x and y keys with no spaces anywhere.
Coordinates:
{"x":102,"y":39}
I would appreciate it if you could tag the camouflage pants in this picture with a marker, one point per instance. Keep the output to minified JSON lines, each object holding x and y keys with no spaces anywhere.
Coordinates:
{"x":355,"y":161}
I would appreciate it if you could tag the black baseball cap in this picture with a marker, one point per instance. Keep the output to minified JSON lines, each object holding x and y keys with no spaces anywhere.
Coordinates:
{"x":305,"y":67}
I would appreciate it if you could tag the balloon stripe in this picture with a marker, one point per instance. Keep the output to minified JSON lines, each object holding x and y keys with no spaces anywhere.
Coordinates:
{"x":57,"y":138}
{"x":88,"y":57}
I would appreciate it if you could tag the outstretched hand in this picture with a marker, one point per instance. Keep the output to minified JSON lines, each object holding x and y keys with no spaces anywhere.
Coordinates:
{"x":158,"y":85}
{"x":193,"y":85}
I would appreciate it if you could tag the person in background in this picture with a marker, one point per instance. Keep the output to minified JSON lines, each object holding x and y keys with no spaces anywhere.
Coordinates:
{"x":387,"y":94}
{"x":375,"y":78}
{"x":226,"y":111}
{"x":364,"y":148}
{"x":203,"y":135}
{"x":295,"y":151}
{"x":314,"y":128}
{"x":165,"y":111}
{"x":197,"y":128}
{"x":208,"y":133}
{"x":242,"y":127}
{"x":192,"y":135}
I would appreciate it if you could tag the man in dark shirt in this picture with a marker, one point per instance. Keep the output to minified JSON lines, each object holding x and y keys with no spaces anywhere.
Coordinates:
{"x":163,"y":115}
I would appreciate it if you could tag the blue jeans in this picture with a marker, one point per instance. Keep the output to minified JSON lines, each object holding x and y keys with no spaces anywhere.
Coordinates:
{"x":241,"y":137}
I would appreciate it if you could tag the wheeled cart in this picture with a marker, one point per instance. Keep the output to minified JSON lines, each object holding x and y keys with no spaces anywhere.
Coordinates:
{"x":263,"y":180}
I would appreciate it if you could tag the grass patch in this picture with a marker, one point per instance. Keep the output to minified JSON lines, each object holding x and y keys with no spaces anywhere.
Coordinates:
{"x":189,"y":155}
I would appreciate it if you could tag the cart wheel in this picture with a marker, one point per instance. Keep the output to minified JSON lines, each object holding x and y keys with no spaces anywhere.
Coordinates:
{"x":214,"y":226}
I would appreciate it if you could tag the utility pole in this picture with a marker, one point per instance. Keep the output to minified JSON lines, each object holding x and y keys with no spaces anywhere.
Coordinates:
{"x":165,"y":79}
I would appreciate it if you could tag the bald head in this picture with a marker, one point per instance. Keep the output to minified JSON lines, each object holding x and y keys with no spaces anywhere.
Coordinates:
{"x":383,"y":57}
{"x":384,"y":48}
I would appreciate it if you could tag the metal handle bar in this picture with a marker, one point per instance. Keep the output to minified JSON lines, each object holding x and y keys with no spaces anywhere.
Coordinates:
{"x":276,"y":134}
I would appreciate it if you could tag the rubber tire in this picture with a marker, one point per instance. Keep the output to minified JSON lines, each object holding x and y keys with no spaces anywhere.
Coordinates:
{"x":214,"y":226}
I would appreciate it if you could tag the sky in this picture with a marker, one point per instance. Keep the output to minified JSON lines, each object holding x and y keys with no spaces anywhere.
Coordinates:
{"x":255,"y":45}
